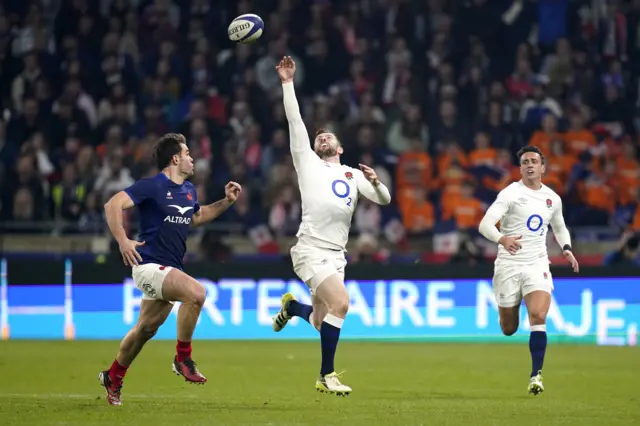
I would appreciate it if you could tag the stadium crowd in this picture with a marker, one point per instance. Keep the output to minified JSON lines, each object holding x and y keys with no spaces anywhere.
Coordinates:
{"x":437,"y":95}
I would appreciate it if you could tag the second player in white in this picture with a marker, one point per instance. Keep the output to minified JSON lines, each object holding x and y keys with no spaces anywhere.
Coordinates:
{"x":525,"y":209}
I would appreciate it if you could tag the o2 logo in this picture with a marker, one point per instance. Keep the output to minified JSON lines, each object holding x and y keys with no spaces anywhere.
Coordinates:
{"x":342,"y":190}
{"x":535,"y":224}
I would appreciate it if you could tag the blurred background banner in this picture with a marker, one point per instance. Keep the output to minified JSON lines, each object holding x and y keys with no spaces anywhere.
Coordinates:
{"x":384,"y":305}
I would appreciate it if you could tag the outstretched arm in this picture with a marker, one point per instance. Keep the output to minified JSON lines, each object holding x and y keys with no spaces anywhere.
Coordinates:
{"x":370,"y":186}
{"x":205,"y":214}
{"x":298,"y":135}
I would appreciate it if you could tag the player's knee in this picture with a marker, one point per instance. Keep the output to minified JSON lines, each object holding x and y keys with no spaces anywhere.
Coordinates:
{"x":198,"y":294}
{"x":537,"y":318}
{"x":509,"y":328}
{"x":340,"y":308}
{"x":316,"y":322}
{"x":147,"y":331}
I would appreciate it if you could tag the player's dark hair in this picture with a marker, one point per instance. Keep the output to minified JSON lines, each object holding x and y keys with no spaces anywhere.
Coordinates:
{"x":166,"y":147}
{"x":531,"y":148}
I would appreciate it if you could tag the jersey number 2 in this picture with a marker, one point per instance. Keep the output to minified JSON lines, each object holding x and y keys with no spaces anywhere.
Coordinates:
{"x":341,"y":189}
{"x":535,"y":225}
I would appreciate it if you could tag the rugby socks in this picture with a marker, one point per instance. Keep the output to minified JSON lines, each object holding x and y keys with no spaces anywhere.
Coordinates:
{"x":117,"y":372}
{"x":537,"y":347}
{"x":183,"y":350}
{"x":329,"y":335}
{"x":297,"y":309}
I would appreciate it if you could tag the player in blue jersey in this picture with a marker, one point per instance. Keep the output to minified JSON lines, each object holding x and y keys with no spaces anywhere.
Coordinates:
{"x":168,"y":206}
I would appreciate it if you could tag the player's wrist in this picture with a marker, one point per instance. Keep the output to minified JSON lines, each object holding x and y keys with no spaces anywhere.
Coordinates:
{"x":567,"y":247}
{"x":121,"y":240}
{"x":286,"y":80}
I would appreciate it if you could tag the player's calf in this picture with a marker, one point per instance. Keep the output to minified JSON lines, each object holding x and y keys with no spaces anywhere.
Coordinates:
{"x":538,"y":303}
{"x":153,"y":314}
{"x":179,"y":286}
{"x":336,"y":299}
{"x":509,"y":319}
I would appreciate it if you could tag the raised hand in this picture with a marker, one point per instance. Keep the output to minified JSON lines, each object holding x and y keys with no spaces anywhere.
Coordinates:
{"x":232,"y":190}
{"x":286,"y":69}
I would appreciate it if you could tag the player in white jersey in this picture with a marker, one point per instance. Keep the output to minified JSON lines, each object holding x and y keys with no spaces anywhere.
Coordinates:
{"x":329,"y":192}
{"x":525,"y":209}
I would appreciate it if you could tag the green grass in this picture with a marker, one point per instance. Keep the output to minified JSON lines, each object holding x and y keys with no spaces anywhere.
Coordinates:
{"x":260,"y":383}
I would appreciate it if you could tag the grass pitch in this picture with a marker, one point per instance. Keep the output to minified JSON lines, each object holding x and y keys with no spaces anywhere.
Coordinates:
{"x":262,"y":383}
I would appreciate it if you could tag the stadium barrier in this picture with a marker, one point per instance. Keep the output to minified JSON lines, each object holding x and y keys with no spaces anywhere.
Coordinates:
{"x":86,"y":300}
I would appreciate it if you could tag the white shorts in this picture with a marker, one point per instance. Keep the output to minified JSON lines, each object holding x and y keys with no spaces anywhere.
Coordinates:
{"x":512,"y":282}
{"x":313,"y":264}
{"x":149,"y":278}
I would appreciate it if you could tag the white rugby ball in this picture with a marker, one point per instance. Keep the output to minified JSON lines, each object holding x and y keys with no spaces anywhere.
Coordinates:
{"x":245,"y":28}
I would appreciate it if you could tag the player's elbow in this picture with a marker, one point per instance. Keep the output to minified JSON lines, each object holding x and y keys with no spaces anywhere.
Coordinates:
{"x":120,"y":201}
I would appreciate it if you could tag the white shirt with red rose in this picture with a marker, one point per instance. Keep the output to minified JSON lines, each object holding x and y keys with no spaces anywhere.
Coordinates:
{"x":329,"y":191}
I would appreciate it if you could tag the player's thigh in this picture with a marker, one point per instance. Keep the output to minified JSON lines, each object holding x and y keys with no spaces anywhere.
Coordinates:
{"x":507,"y":287}
{"x":149,"y":278}
{"x":333,"y":293}
{"x":178,"y":286}
{"x":153,"y":313}
{"x":315,"y":265}
{"x":537,"y":288}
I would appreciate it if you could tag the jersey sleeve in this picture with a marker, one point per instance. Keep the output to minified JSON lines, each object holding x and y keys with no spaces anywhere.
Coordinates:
{"x":301,"y":151}
{"x":500,"y":206}
{"x":378,"y":194}
{"x":142,"y":190}
{"x":560,"y":229}
{"x":196,"y":204}
{"x":494,"y":214}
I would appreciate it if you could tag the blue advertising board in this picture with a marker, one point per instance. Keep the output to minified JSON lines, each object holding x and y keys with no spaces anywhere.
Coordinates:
{"x":589,"y":310}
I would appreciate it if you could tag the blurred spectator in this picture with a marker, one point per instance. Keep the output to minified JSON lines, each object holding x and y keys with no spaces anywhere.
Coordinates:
{"x":465,"y":210}
{"x":626,"y":254}
{"x":436,"y":96}
{"x":284,"y":218}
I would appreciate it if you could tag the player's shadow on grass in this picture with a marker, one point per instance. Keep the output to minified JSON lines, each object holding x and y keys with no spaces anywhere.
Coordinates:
{"x":202,"y":405}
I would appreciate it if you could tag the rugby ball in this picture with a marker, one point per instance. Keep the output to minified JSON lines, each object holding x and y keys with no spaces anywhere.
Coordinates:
{"x":245,"y":29}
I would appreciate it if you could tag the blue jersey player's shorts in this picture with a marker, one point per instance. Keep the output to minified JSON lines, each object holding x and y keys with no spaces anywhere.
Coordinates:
{"x":512,"y":282}
{"x":313,"y":264}
{"x":149,"y":279}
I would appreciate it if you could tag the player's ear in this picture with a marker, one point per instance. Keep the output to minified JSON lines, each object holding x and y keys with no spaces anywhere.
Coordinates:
{"x":544,"y":168}
{"x":340,"y":151}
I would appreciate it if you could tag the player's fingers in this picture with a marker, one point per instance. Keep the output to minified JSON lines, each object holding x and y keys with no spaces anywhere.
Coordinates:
{"x":131,"y":260}
{"x":140,"y":243}
{"x":518,"y":237}
{"x":124,"y":260}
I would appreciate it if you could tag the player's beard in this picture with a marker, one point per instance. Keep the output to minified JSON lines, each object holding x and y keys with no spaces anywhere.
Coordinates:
{"x":327,"y":152}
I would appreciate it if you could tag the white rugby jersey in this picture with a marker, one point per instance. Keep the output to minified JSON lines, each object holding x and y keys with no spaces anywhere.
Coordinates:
{"x":329,"y":191}
{"x":527,"y":212}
